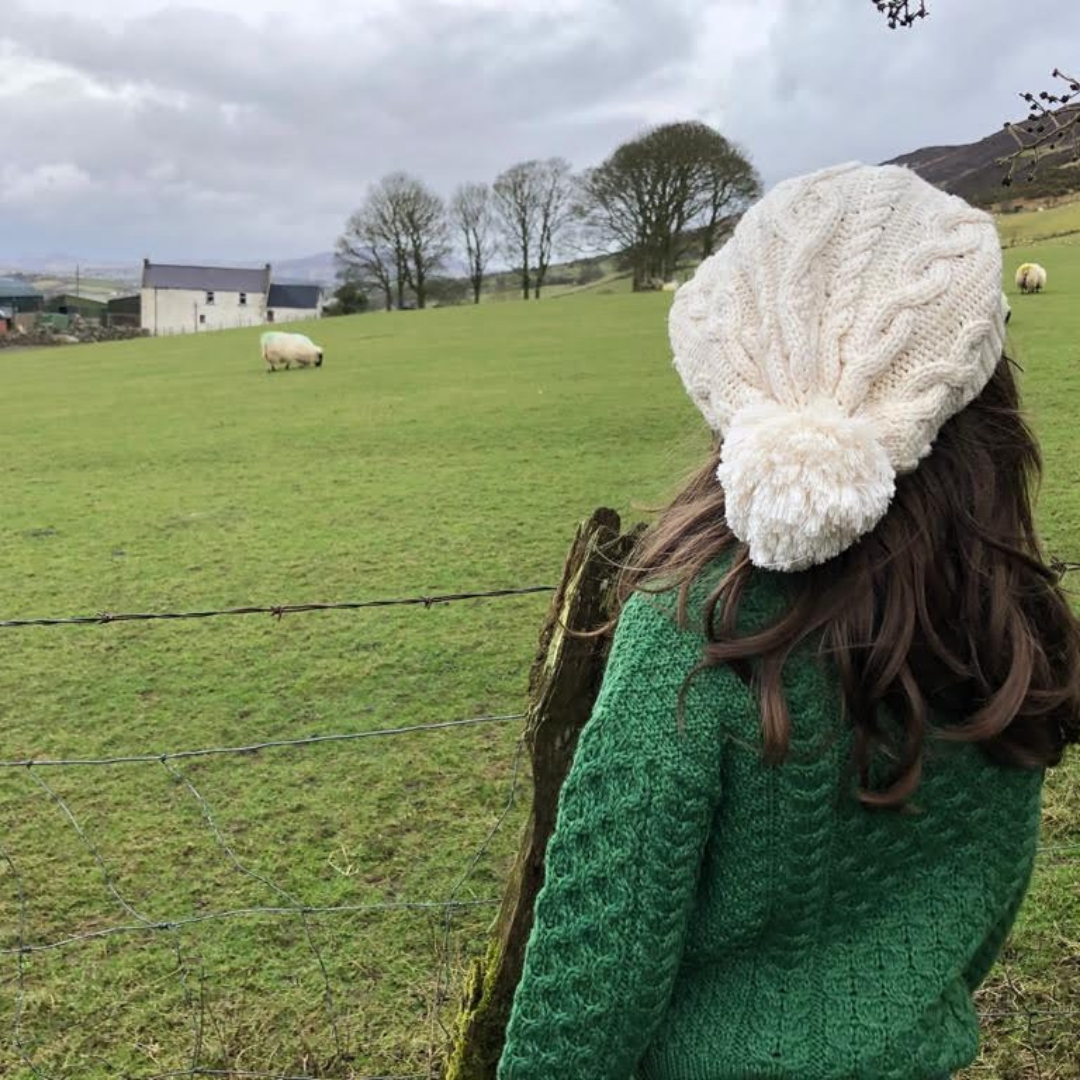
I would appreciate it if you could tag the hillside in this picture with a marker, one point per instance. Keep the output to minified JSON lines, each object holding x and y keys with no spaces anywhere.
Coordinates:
{"x":973,"y":170}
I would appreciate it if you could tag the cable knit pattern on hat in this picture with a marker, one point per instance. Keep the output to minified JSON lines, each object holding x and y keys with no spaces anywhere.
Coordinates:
{"x":865,"y":306}
{"x":709,"y":917}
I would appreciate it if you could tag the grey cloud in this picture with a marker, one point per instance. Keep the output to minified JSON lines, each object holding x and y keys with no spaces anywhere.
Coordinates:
{"x":264,"y":138}
{"x":834,"y":85}
{"x":228,"y":139}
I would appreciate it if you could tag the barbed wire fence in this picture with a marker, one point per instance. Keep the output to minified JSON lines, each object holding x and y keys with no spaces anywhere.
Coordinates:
{"x":136,"y":922}
{"x":103,"y":618}
{"x":1008,"y":1001}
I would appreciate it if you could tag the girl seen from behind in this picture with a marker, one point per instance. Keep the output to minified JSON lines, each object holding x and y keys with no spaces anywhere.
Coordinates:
{"x":802,"y":818}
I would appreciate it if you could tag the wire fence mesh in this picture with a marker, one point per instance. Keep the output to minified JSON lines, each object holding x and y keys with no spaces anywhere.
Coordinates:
{"x":135,"y":918}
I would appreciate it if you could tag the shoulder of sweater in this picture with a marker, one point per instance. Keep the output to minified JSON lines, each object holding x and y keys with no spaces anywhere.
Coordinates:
{"x":763,"y":599}
{"x":654,"y":705}
{"x":657,"y":660}
{"x":717,"y":701}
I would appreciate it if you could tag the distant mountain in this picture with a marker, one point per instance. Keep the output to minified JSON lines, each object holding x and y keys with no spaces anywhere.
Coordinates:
{"x":315,"y":268}
{"x":322,"y":268}
{"x":65,"y":266}
{"x":973,"y":171}
{"x":318,"y":269}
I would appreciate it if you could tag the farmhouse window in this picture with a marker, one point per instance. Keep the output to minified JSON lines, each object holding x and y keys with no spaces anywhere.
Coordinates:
{"x":202,"y":319}
{"x":243,"y":299}
{"x":209,"y":297}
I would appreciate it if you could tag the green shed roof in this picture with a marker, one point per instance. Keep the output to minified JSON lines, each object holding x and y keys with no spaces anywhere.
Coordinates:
{"x":71,"y":300}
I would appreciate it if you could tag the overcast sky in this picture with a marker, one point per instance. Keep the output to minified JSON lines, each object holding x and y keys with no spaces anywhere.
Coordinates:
{"x":249,"y":129}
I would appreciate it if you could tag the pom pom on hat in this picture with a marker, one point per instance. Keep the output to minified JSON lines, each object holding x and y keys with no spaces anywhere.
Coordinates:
{"x":802,"y":486}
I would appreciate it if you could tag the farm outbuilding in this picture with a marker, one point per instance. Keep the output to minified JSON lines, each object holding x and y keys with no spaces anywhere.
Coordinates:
{"x":189,"y":299}
{"x":124,"y":311}
{"x":18,"y":296}
{"x":288,"y":302}
{"x":68,"y":304}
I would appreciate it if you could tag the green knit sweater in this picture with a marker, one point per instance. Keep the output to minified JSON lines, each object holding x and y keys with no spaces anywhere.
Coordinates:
{"x":706,"y":916}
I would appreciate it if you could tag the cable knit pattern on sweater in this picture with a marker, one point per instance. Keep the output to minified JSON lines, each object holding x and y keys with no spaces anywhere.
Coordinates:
{"x":706,"y":916}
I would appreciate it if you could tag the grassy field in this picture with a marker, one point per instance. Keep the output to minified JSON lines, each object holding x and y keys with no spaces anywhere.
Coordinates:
{"x":436,"y":451}
{"x":90,"y":287}
{"x":441,"y":451}
{"x":1032,"y":226}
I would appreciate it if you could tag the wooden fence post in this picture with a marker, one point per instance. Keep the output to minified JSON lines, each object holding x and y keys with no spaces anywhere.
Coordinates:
{"x":563,"y":685}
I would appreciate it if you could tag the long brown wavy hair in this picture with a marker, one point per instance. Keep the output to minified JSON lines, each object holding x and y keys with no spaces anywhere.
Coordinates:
{"x":947,"y":607}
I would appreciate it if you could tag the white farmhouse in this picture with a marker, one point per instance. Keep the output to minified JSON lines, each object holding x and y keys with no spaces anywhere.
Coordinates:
{"x":288,"y":303}
{"x":190,"y":299}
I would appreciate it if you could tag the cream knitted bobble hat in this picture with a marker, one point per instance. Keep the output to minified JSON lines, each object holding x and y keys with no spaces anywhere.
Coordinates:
{"x":852,"y":312}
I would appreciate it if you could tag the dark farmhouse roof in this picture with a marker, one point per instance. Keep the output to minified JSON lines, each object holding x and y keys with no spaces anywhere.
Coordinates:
{"x":294,"y":296}
{"x":208,"y":278}
{"x":14,"y":287}
{"x":121,"y":303}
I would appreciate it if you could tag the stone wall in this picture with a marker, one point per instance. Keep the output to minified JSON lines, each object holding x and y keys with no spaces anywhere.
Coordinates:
{"x":78,"y":332}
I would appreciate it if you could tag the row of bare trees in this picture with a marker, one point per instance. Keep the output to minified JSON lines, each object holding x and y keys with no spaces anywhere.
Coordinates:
{"x":670,"y":193}
{"x":404,"y":234}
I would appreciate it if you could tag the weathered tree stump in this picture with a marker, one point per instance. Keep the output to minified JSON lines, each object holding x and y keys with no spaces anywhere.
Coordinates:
{"x":563,"y":685}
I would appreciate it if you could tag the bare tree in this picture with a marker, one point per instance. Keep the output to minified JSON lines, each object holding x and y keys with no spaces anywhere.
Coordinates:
{"x":517,"y":203}
{"x":473,"y":213}
{"x":555,"y":189}
{"x":364,"y":255}
{"x":1052,"y":128}
{"x":901,"y":12}
{"x":422,"y":225}
{"x":534,"y":204}
{"x":674,"y":187}
{"x":396,"y":239}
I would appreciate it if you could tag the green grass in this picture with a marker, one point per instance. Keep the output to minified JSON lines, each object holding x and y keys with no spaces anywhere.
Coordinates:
{"x":441,"y":450}
{"x":435,"y":451}
{"x":1034,"y":226}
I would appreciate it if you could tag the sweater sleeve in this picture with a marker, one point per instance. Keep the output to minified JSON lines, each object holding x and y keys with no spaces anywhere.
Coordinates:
{"x":622,"y":867}
{"x":986,"y":955}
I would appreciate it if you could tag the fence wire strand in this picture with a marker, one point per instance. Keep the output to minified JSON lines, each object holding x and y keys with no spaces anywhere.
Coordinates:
{"x":196,"y":1014}
{"x":250,"y":748}
{"x":278,"y":611}
{"x":106,"y":873}
{"x":240,"y":913}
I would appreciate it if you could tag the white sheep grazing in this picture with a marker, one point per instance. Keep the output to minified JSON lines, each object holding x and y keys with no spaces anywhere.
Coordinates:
{"x":1030,"y":277}
{"x":279,"y":350}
